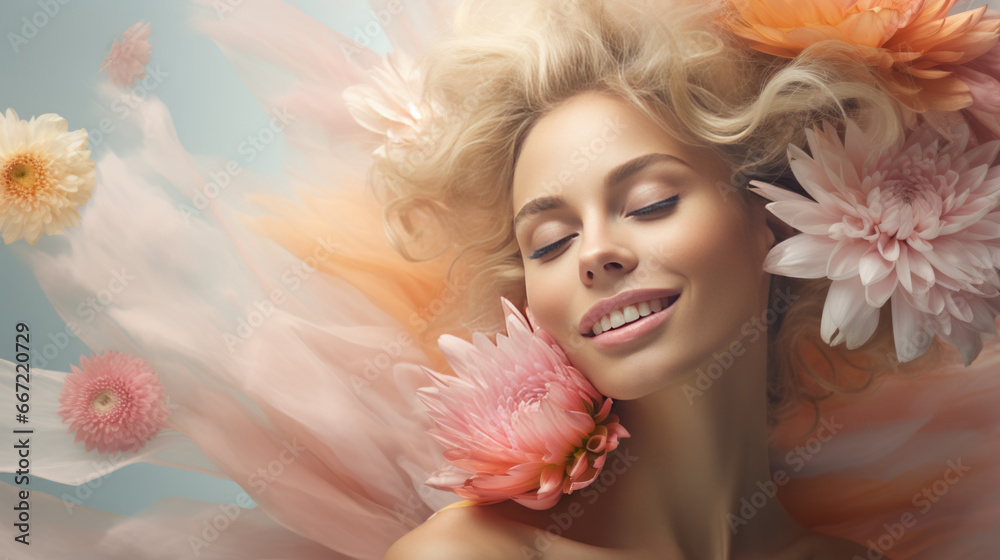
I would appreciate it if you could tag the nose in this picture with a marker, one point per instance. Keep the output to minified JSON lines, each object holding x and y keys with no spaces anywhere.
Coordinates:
{"x":604,"y":257}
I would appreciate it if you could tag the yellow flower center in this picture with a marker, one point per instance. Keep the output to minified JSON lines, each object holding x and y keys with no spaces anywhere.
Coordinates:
{"x":104,"y":402}
{"x":25,"y":174}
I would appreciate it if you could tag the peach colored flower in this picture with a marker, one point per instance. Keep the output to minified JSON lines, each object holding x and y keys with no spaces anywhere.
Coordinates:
{"x":45,"y":175}
{"x":114,"y":402}
{"x":519,"y":422}
{"x":126,"y":61}
{"x":916,"y":224}
{"x":982,"y":75}
{"x":913,"y":44}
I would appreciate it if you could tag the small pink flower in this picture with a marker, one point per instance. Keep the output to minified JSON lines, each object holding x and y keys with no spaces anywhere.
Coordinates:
{"x":127,"y":60}
{"x":115,"y":402}
{"x":519,"y":422}
{"x":916,"y":224}
{"x":393,"y":107}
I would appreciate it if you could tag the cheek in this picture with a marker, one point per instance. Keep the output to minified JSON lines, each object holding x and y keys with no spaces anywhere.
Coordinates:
{"x":543,"y":299}
{"x":549,"y":296}
{"x":726,"y":269}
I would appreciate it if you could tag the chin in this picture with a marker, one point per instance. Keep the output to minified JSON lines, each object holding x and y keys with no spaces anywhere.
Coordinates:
{"x":636,"y":375}
{"x":623,"y":381}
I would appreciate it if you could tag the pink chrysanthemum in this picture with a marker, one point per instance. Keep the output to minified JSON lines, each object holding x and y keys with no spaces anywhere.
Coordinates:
{"x":115,"y":402}
{"x":916,"y":224}
{"x":126,"y":61}
{"x":519,"y":422}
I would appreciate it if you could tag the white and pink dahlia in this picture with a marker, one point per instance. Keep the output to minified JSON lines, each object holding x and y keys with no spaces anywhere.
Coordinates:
{"x":518,"y":422}
{"x":113,"y":402}
{"x":45,"y":174}
{"x":916,"y":225}
{"x":126,"y":61}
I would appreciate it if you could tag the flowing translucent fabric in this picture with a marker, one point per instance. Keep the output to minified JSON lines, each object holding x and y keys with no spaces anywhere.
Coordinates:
{"x":286,"y":333}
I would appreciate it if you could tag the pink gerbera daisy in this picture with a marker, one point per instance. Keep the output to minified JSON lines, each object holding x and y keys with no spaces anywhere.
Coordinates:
{"x":115,"y":402}
{"x":916,"y":224}
{"x":127,"y":60}
{"x":519,"y":422}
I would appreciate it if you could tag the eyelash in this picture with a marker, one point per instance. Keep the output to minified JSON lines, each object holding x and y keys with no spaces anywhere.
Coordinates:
{"x":656,"y":207}
{"x":646,"y":210}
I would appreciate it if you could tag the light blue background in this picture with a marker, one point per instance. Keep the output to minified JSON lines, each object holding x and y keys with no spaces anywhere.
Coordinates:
{"x":57,"y":72}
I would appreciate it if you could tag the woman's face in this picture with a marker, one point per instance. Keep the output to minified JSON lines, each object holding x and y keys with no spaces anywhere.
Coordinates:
{"x":616,"y":220}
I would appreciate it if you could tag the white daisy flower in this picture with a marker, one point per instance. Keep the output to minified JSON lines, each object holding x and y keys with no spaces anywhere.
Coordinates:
{"x":45,"y":174}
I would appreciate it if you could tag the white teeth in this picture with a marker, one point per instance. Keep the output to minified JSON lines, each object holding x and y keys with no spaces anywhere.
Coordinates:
{"x":629,"y":314}
{"x":617,"y":319}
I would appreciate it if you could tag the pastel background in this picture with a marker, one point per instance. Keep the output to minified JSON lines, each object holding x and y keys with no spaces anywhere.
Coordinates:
{"x":56,"y":71}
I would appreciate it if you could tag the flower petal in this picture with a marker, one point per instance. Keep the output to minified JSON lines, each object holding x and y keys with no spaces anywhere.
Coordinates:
{"x":847,"y":313}
{"x":800,"y":256}
{"x":913,"y":335}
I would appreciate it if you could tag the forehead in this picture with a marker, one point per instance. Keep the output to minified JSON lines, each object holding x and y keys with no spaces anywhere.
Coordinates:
{"x":586,"y":136}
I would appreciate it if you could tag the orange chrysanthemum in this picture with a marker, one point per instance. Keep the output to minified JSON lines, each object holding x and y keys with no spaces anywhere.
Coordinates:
{"x":914,"y":45}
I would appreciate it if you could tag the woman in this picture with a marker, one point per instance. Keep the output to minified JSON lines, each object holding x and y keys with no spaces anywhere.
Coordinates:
{"x":602,"y":165}
{"x":662,"y":232}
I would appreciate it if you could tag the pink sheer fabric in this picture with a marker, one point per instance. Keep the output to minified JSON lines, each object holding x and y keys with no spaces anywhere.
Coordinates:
{"x":911,"y":469}
{"x":283,"y":332}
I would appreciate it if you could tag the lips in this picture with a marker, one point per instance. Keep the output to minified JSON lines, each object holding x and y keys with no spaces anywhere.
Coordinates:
{"x":624,"y":309}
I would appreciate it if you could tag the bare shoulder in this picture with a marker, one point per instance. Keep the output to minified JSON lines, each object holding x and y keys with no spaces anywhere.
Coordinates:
{"x":464,"y":533}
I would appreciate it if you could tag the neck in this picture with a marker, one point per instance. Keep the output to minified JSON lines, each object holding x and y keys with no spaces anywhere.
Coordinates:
{"x":699,"y":476}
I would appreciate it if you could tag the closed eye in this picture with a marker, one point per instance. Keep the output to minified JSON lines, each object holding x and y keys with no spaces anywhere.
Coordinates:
{"x":653,"y":208}
{"x":551,"y":247}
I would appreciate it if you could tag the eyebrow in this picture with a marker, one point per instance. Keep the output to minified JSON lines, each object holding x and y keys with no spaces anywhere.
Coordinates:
{"x":614,"y":177}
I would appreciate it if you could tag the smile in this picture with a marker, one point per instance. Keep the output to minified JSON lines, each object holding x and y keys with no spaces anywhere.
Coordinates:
{"x":630,"y":314}
{"x":608,"y":317}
